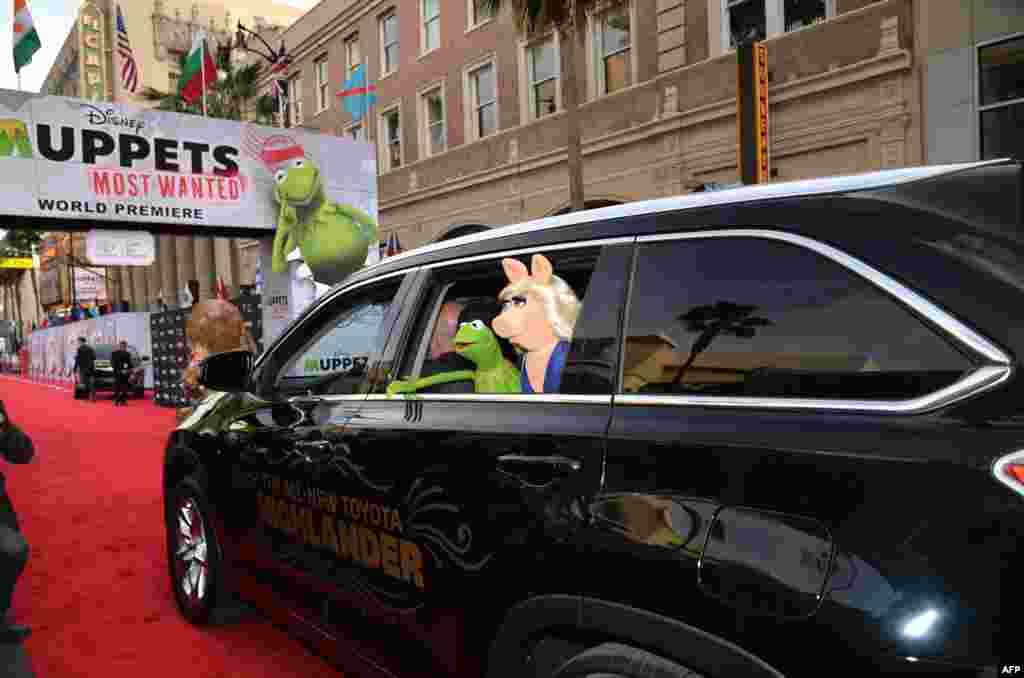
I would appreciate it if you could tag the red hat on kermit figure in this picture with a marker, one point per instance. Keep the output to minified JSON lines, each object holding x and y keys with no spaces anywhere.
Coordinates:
{"x":272,"y":152}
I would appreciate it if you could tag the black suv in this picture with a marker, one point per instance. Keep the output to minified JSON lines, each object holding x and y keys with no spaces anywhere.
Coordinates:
{"x":787,"y":440}
{"x":104,"y":371}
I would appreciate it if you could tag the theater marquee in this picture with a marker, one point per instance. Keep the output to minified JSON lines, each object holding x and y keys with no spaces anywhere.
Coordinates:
{"x":124,"y":166}
{"x":91,"y":52}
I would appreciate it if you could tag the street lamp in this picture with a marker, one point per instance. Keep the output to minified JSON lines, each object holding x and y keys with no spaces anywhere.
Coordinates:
{"x":278,"y":59}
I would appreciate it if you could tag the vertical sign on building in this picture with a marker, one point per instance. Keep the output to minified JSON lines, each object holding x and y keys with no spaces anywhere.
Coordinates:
{"x":761,"y":70}
{"x":752,"y":112}
{"x":91,"y":53}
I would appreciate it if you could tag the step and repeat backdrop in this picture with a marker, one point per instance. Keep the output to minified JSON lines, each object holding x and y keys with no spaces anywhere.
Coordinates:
{"x":171,"y":351}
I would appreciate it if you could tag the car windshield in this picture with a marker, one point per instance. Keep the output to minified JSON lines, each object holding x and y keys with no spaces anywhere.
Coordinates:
{"x":104,"y":351}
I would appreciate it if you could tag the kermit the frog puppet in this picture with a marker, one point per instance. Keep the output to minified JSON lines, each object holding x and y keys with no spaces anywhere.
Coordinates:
{"x":476,"y":342}
{"x":333,"y":238}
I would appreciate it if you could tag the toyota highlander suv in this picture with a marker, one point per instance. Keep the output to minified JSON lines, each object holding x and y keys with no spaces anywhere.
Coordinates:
{"x":786,"y":438}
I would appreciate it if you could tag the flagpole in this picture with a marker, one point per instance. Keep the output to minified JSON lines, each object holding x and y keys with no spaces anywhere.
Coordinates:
{"x":202,"y":70}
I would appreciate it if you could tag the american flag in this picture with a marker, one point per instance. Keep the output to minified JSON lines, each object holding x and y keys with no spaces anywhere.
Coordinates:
{"x":129,"y":69}
{"x":280,"y":89}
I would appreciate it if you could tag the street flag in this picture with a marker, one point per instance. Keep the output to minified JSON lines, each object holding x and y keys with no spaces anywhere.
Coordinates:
{"x":280,"y":90}
{"x":359,"y":95}
{"x":394,"y":247}
{"x":26,"y":40}
{"x":129,"y":69}
{"x":200,"y":72}
{"x":221,"y":289}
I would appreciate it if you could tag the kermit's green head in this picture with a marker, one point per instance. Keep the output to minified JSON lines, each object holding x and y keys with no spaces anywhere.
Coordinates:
{"x":298,"y":182}
{"x":476,"y":342}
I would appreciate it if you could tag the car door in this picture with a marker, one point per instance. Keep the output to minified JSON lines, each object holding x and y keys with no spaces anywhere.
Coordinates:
{"x":766,"y":426}
{"x":483,"y":489}
{"x":285,"y":446}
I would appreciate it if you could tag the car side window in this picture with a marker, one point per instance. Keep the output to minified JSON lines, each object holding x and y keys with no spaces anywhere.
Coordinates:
{"x":754,"y":317}
{"x":501,"y":325}
{"x":336,"y":357}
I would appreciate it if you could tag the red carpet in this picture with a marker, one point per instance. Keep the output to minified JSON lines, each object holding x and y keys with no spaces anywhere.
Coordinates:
{"x":96,"y":591}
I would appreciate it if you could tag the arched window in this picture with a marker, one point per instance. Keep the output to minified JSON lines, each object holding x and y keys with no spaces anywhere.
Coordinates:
{"x":466,"y":229}
{"x":589,"y":205}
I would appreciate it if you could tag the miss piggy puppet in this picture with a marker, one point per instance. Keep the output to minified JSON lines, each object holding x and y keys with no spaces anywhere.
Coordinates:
{"x":216,"y":325}
{"x":538,"y":317}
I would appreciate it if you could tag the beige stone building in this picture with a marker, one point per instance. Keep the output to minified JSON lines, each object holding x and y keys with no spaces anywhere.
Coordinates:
{"x":469,"y":124}
{"x":160,"y":31}
{"x":470,"y":131}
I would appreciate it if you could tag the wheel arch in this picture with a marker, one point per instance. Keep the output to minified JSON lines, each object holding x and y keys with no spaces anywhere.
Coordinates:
{"x":181,"y":462}
{"x":687,"y":645}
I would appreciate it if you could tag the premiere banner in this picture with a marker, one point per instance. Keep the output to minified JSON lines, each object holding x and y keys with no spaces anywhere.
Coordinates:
{"x":112,"y":162}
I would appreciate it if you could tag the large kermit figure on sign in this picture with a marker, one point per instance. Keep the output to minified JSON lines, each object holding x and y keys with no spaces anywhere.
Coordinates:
{"x":333,"y":238}
{"x":476,"y":342}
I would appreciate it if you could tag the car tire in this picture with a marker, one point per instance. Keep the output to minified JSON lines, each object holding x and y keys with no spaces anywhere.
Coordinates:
{"x":195,"y":559}
{"x":614,"y":660}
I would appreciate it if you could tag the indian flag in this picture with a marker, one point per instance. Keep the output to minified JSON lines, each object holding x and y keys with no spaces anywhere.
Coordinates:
{"x":26,"y":40}
{"x":199,"y":70}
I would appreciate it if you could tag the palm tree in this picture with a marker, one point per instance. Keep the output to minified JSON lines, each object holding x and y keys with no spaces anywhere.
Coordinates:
{"x":20,"y":243}
{"x":568,"y":17}
{"x":226,"y":100}
{"x":723,"y":317}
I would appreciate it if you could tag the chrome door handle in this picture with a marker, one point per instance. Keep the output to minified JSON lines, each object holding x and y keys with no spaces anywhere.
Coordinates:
{"x":564,"y":464}
{"x":308,"y":400}
{"x":313,"y":445}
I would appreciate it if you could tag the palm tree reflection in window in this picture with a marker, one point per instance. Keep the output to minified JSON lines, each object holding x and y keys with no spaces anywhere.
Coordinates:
{"x":723,"y":317}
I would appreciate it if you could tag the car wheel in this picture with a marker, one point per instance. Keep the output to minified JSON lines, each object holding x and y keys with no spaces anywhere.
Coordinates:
{"x":613,"y":660}
{"x":194,"y":556}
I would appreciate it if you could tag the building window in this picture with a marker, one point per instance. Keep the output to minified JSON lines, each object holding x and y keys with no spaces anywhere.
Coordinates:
{"x":389,"y":42}
{"x":612,"y":45}
{"x":173,"y":78}
{"x":1001,"y":98}
{"x":321,"y":84}
{"x":483,"y":100}
{"x":295,"y":102}
{"x":435,"y":129}
{"x":391,"y":139}
{"x":542,"y":72}
{"x":799,"y":13}
{"x":430,"y":15}
{"x":755,"y":20}
{"x":479,"y":12}
{"x":356,"y":132}
{"x":353,"y":55}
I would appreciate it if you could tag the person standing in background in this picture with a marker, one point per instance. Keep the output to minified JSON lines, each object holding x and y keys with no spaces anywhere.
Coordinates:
{"x":121,"y":361}
{"x":85,"y":363}
{"x":17,"y":448}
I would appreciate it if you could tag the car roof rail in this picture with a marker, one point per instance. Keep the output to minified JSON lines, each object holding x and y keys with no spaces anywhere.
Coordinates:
{"x":830,"y":185}
{"x":989,"y":196}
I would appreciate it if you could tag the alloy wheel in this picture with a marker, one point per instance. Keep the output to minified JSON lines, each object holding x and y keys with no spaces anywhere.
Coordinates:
{"x":190,"y":556}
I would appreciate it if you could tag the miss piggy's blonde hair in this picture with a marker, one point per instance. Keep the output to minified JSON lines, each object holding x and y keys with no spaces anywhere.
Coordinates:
{"x":561,"y":305}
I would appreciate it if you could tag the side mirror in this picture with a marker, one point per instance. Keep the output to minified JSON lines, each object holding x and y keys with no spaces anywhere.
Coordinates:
{"x":228,"y":372}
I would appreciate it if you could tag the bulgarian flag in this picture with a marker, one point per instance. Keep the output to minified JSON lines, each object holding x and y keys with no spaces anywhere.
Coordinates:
{"x":199,"y":72}
{"x":26,"y":40}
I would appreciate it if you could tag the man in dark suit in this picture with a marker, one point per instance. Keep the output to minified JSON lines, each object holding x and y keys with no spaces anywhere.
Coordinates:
{"x":443,"y":357}
{"x":85,"y":363}
{"x":121,"y":361}
{"x":17,"y":448}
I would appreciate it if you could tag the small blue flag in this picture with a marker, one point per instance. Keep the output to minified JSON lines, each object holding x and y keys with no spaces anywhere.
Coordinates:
{"x":359,"y":95}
